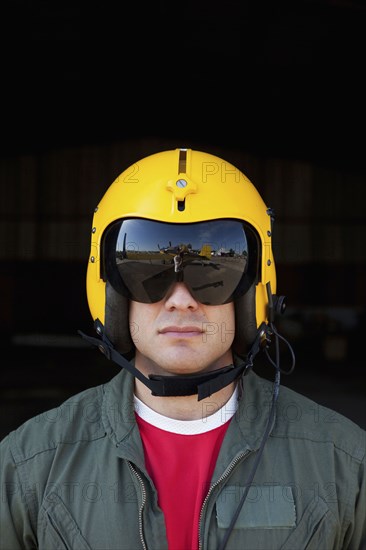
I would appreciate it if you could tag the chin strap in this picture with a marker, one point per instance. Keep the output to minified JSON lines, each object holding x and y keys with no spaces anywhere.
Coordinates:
{"x":202,"y":385}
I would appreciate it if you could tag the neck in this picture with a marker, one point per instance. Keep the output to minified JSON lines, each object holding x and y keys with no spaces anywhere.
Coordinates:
{"x":184,"y":407}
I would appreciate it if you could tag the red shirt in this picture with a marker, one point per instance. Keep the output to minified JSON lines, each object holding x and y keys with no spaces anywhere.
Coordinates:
{"x":181,"y":464}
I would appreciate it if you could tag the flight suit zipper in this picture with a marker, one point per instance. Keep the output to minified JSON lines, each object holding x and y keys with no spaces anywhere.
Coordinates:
{"x":222,"y":478}
{"x":143,"y":501}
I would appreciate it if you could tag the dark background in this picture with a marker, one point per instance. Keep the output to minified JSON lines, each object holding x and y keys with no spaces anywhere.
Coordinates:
{"x":278,"y":78}
{"x":270,"y":80}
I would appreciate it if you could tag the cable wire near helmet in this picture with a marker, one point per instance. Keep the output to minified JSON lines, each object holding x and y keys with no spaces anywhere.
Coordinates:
{"x":172,"y":197}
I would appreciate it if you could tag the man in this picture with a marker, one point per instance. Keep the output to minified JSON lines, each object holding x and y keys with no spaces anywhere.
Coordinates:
{"x":187,"y":447}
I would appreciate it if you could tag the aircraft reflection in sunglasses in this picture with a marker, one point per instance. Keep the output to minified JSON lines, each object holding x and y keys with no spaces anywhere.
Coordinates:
{"x":147,"y":268}
{"x":184,"y":253}
{"x":206,"y":251}
{"x":181,"y":256}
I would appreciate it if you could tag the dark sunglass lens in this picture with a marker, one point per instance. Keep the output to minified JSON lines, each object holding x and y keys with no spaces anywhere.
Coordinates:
{"x":144,"y":258}
{"x":215,"y":282}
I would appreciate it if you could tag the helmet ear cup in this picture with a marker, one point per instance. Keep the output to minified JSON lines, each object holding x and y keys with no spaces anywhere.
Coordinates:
{"x":245,"y":321}
{"x":116,"y":321}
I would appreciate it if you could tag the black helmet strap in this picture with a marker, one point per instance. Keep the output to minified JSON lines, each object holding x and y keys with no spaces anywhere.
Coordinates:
{"x":202,"y":385}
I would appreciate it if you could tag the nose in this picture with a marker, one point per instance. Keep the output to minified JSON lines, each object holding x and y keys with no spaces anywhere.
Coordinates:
{"x":179,"y":297}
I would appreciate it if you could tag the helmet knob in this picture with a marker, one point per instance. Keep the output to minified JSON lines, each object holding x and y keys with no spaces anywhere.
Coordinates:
{"x":279,"y":304}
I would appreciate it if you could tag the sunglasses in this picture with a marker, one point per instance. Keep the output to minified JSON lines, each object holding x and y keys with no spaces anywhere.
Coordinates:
{"x":216,"y":259}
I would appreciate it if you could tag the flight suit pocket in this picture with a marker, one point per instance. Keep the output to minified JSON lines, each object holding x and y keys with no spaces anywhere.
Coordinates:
{"x":269,"y":520}
{"x":265,"y":508}
{"x":264,"y":522}
{"x":57,"y":528}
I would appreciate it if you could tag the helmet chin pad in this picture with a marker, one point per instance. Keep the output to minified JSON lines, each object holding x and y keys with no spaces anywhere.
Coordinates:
{"x":116,"y":323}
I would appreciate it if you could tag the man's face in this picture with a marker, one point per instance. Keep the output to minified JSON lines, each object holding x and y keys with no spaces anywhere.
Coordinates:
{"x":179,"y":335}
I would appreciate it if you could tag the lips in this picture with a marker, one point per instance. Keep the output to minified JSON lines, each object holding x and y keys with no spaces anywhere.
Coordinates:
{"x":181,"y":330}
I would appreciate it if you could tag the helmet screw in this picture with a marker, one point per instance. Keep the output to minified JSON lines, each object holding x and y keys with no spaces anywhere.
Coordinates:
{"x":269,"y":233}
{"x":94,"y":230}
{"x":181,"y":183}
{"x":92,"y":259}
{"x":96,"y":209}
{"x":269,"y":262}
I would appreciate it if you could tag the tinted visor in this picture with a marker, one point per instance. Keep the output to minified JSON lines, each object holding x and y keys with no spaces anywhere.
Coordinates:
{"x":217,"y":259}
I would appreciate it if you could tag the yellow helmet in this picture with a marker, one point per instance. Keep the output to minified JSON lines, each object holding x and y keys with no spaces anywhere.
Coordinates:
{"x":181,"y":186}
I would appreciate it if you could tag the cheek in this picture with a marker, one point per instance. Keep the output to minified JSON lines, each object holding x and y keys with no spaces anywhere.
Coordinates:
{"x":133,"y":312}
{"x":140,"y":318}
{"x":133,"y":323}
{"x":136,"y":315}
{"x":226,"y":315}
{"x":223,"y":319}
{"x":230,"y":322}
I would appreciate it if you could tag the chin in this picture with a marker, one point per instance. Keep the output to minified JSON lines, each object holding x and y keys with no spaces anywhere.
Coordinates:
{"x":184,"y":371}
{"x":190,"y":365}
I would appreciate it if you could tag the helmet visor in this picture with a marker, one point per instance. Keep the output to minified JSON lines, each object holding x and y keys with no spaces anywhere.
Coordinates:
{"x":216,"y":259}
